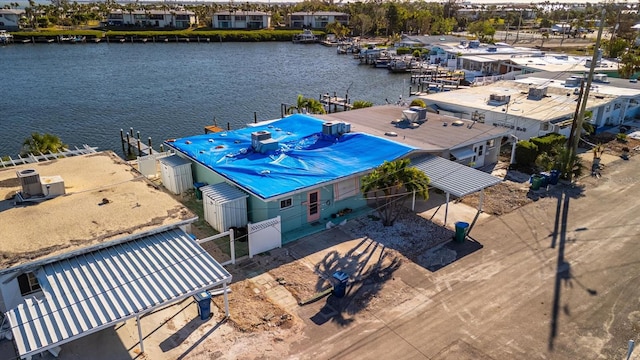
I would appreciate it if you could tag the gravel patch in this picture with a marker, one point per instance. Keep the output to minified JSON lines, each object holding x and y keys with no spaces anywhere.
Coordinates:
{"x":410,"y":234}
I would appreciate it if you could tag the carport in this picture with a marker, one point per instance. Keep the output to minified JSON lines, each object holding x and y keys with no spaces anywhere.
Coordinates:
{"x":85,"y":292}
{"x":453,"y":179}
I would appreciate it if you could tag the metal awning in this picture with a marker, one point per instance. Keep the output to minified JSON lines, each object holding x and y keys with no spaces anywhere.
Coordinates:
{"x":463,"y":153}
{"x":453,"y":178}
{"x":85,"y":293}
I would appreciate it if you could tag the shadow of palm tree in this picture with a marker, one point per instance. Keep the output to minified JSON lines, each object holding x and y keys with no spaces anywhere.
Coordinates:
{"x":369,"y":266}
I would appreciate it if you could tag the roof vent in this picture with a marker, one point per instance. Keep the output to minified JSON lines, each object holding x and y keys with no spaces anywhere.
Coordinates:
{"x":457,"y":123}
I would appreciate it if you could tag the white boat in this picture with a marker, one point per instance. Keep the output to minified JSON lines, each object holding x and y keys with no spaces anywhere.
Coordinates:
{"x":306,"y":37}
{"x":5,"y":37}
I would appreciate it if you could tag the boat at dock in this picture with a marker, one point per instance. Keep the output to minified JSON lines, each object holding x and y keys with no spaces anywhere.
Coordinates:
{"x":306,"y":37}
{"x":5,"y":37}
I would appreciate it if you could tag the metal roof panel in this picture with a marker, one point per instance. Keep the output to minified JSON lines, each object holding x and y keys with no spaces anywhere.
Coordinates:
{"x":456,"y":179}
{"x":87,"y":292}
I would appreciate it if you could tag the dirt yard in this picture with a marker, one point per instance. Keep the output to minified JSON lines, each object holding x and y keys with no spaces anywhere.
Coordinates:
{"x":258,"y":321}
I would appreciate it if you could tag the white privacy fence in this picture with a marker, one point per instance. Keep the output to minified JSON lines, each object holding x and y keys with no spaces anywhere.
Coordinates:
{"x":264,"y":236}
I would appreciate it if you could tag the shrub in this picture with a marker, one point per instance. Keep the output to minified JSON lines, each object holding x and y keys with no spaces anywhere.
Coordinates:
{"x":621,"y":137}
{"x":360,"y":104}
{"x":416,"y":53}
{"x":526,"y":152}
{"x":418,"y":102}
{"x":547,"y":142}
{"x":403,"y":51}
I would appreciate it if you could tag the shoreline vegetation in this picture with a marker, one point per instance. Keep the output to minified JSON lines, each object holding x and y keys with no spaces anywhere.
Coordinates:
{"x":212,"y":35}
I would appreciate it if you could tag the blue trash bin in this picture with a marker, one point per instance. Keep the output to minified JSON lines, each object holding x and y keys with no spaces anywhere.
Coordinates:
{"x":197,"y":187}
{"x":204,"y":304}
{"x":545,"y":179}
{"x":461,"y":231}
{"x":554,"y":176}
{"x":340,"y":288}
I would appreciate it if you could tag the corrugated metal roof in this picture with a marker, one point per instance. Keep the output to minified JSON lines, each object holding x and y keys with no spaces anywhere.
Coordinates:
{"x":222,"y":192}
{"x":94,"y":290}
{"x":174,"y":160}
{"x":456,"y":179}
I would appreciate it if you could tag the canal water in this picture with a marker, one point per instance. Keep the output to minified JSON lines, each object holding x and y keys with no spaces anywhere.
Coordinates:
{"x":86,"y":93}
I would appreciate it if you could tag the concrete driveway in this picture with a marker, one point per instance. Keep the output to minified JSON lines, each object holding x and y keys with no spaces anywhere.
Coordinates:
{"x":556,"y":279}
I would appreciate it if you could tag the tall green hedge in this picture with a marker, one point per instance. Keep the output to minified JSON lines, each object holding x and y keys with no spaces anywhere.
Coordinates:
{"x":526,"y":152}
{"x":547,"y":142}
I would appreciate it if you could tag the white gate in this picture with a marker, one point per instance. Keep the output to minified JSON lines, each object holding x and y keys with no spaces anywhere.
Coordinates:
{"x":264,"y":236}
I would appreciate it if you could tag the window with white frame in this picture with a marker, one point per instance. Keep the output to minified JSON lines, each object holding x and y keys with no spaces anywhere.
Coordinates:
{"x":28,"y":283}
{"x":345,"y":189}
{"x":286,"y":203}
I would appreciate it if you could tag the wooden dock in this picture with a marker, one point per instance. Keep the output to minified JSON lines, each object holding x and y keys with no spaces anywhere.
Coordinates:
{"x":134,"y":144}
{"x":336,"y":102}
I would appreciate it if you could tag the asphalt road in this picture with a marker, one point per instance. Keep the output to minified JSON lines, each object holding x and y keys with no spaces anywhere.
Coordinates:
{"x":556,"y":279}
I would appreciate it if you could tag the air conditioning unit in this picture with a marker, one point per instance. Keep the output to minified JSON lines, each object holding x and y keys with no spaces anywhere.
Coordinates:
{"x":335,"y":128}
{"x":258,"y":136}
{"x":30,"y":182}
{"x":410,"y":115}
{"x":52,"y":185}
{"x":331,"y":128}
{"x":537,"y":93}
{"x":497,"y":100}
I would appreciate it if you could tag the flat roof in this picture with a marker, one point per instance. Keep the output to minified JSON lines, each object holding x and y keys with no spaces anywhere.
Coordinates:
{"x":81,"y":217}
{"x":429,"y":136}
{"x":559,"y":102}
{"x":89,"y":292}
{"x":613,"y":86}
{"x":562,"y":63}
{"x":296,"y":155}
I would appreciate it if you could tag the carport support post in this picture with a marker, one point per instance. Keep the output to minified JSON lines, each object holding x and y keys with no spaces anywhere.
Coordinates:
{"x":481,"y":200}
{"x":413,"y":201}
{"x":226,"y":299}
{"x":140,"y":333}
{"x":446,"y":210}
{"x":232,"y":247}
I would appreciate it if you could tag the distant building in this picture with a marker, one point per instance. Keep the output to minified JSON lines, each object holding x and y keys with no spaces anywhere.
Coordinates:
{"x":534,"y":105}
{"x":241,"y":20}
{"x":10,"y":19}
{"x":316,"y":20}
{"x":178,"y":19}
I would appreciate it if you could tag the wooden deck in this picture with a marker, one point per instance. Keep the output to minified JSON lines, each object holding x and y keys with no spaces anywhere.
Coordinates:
{"x":335,"y":102}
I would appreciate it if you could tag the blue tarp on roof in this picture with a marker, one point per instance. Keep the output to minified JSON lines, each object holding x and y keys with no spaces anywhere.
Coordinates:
{"x":304,"y":156}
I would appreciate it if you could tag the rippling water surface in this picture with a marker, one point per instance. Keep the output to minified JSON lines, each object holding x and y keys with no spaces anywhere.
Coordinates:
{"x":86,"y":93}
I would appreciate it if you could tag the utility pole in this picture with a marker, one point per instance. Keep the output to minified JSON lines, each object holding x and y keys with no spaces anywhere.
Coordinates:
{"x":577,"y":128}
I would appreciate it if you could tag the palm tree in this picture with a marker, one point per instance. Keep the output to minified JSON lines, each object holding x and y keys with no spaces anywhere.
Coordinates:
{"x":389,"y":185}
{"x":308,"y":105}
{"x":42,"y":143}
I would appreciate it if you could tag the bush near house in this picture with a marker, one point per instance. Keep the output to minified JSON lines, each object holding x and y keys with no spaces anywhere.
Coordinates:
{"x":418,"y":102}
{"x":526,"y":152}
{"x":547,"y":142}
{"x":403,"y":51}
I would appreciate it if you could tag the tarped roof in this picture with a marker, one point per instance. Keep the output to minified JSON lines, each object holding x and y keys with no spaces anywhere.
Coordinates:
{"x":91,"y":291}
{"x":304,"y":156}
{"x":453,"y":178}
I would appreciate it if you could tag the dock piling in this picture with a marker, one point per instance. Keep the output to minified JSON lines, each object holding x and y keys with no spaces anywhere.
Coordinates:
{"x":150,"y":148}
